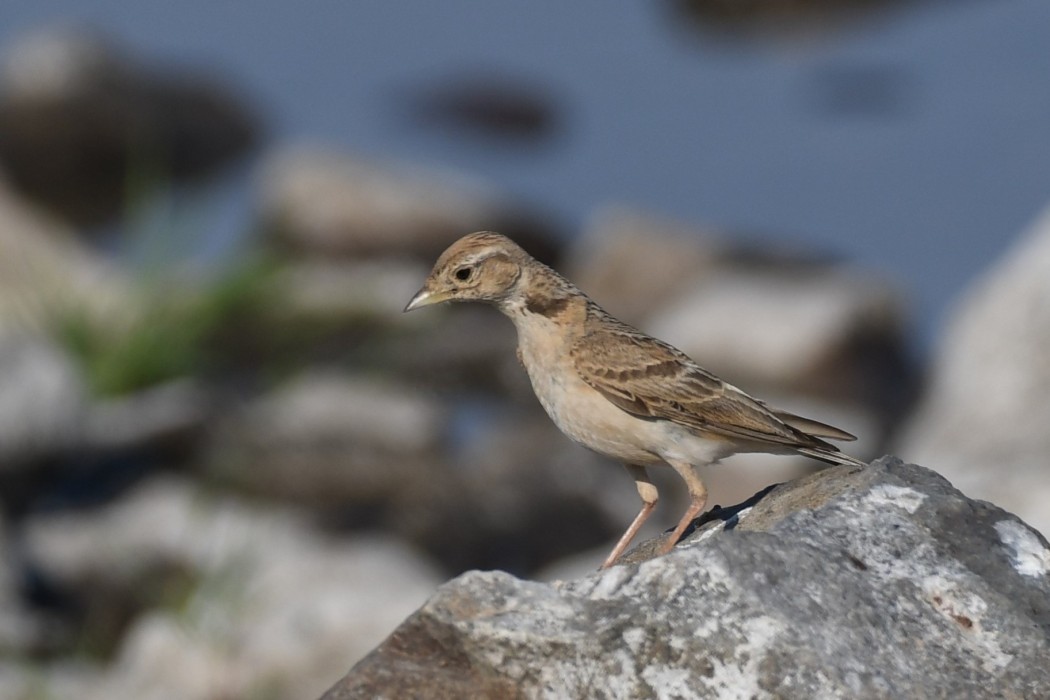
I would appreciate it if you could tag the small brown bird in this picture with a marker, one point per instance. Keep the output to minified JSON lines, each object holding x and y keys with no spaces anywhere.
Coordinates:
{"x":614,"y":389}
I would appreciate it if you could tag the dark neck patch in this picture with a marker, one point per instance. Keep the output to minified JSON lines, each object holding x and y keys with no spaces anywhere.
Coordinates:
{"x":544,"y":305}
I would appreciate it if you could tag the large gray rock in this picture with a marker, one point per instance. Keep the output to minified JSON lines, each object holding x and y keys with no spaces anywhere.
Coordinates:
{"x":876,"y":582}
{"x":984,"y":418}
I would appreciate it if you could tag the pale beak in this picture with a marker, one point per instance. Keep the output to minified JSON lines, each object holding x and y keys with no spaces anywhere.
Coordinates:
{"x":425,"y":297}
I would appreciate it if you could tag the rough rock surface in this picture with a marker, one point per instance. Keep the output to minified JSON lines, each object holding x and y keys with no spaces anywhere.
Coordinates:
{"x":876,"y":582}
{"x":988,"y":402}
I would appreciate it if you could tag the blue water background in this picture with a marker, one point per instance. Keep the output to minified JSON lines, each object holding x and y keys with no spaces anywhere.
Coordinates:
{"x":916,"y":143}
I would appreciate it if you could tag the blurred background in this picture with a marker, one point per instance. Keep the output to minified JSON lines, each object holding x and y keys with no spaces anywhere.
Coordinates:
{"x":229,"y":466}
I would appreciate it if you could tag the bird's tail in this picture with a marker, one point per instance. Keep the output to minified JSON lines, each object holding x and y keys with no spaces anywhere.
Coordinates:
{"x":831,"y":455}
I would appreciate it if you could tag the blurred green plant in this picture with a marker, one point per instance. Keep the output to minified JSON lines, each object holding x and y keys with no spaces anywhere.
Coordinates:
{"x":174,"y":335}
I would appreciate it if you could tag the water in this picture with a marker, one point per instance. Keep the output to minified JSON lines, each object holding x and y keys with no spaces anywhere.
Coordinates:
{"x":916,"y":143}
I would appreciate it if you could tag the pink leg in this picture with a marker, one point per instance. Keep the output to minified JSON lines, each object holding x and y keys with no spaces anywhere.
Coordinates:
{"x":649,"y":495}
{"x":697,"y":501}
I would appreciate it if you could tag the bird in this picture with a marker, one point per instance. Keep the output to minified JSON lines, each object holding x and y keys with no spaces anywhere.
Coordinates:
{"x":614,"y":389}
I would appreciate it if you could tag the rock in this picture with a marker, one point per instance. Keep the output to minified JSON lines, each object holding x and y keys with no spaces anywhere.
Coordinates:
{"x":834,"y":334}
{"x":79,"y":117}
{"x":633,"y":264}
{"x":761,"y":19}
{"x":870,"y":582}
{"x":988,"y":400}
{"x":469,"y":483}
{"x":771,"y":320}
{"x":463,"y":349}
{"x":325,"y":205}
{"x":354,"y":290}
{"x":53,"y":292}
{"x":496,"y":106}
{"x":328,"y":439}
{"x":226,"y":599}
{"x":160,"y":417}
{"x":20,"y":679}
{"x":43,"y":401}
{"x":46,"y":275}
{"x":512,"y":493}
{"x":24,"y":631}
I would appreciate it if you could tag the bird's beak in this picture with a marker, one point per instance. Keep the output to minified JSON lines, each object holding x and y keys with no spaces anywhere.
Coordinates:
{"x":425,"y":297}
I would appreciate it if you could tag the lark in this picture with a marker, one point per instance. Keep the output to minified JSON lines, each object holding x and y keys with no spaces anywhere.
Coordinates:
{"x":614,"y":389}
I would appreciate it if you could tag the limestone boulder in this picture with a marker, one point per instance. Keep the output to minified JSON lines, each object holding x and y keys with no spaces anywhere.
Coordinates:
{"x":984,"y":416}
{"x":874,"y":582}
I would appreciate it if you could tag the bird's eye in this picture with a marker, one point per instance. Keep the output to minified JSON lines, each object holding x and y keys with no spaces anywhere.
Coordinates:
{"x":463,"y":274}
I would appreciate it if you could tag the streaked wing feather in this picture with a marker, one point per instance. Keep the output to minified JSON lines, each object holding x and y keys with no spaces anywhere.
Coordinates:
{"x":813,"y":427}
{"x":648,"y":378}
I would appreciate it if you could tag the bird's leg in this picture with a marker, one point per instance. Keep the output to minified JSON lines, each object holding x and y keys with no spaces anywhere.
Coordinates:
{"x":697,"y":501}
{"x":647,"y":490}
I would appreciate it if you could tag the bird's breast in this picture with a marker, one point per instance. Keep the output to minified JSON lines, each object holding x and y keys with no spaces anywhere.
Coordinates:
{"x":587,"y":417}
{"x":582,"y":413}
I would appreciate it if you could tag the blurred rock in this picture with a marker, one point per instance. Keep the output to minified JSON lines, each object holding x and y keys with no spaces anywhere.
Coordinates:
{"x":462,"y":349}
{"x":53,"y":288}
{"x":870,"y":582}
{"x":80,"y":118}
{"x":472,"y":486}
{"x":862,"y":89}
{"x":45,"y":274}
{"x":771,"y":320}
{"x":256,"y":603}
{"x":514,"y":494}
{"x":21,"y":679}
{"x":160,"y":417}
{"x":633,"y":263}
{"x":43,"y":400}
{"x":835,"y":334}
{"x":328,"y":440}
{"x":353,"y":290}
{"x":798,"y":18}
{"x":988,"y":400}
{"x":24,"y":631}
{"x":492,"y":105}
{"x":322,"y":204}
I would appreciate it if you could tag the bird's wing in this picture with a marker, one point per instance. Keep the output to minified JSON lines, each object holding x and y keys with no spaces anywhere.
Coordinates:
{"x":651,"y":379}
{"x":810,"y":426}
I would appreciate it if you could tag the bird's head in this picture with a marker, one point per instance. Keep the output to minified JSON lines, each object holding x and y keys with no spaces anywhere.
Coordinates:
{"x":483,"y":266}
